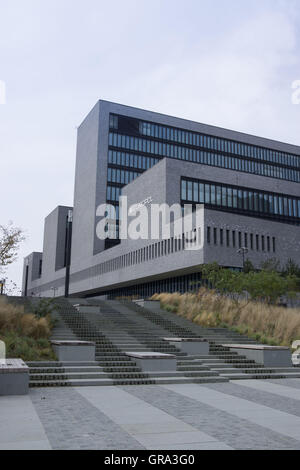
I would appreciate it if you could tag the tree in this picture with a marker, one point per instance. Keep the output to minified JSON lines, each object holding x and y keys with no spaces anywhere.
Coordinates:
{"x":10,"y":239}
{"x":271,"y":265}
{"x":291,"y":269}
{"x":248,"y":266}
{"x":264,"y":286}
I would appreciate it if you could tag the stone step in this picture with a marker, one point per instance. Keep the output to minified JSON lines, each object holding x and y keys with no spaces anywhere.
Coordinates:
{"x":263,"y":376}
{"x":61,"y":364}
{"x":262,"y":371}
{"x":229,"y":361}
{"x":192,"y":368}
{"x":87,"y":375}
{"x":107,"y":382}
{"x":64,"y":370}
{"x":238,"y":367}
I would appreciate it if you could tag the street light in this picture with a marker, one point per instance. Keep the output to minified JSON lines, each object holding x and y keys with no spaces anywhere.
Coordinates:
{"x":68,"y":250}
{"x":54,"y":290}
{"x":243,"y":251}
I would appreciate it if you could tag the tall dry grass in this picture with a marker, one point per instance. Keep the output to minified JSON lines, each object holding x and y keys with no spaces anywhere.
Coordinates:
{"x":14,"y":319}
{"x":271,"y":324}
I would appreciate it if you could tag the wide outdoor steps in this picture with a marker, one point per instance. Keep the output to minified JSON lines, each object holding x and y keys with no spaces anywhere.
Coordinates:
{"x":113,"y":334}
{"x":228,"y":364}
{"x":77,"y":374}
{"x":120,"y":327}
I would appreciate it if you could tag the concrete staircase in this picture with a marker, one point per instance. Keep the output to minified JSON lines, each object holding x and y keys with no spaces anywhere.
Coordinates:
{"x":121,"y":327}
{"x":228,"y":364}
{"x":114,"y":331}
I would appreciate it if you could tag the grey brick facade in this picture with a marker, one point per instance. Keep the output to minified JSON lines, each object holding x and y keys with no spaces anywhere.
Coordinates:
{"x":96,"y":270}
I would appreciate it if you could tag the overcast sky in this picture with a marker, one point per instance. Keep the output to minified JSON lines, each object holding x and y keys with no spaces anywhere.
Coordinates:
{"x":229,"y":63}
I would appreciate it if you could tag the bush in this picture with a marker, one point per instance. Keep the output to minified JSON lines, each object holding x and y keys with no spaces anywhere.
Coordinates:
{"x":261,"y":321}
{"x":27,"y":348}
{"x":44,"y":308}
{"x":26,"y":335}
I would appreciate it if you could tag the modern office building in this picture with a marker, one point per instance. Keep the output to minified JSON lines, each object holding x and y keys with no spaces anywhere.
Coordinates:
{"x":248,"y":190}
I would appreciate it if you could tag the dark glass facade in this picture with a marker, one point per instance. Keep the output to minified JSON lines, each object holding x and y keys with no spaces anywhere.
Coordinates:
{"x":245,"y":201}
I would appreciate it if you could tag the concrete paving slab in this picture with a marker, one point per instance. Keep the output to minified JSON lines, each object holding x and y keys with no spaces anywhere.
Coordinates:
{"x":20,"y":426}
{"x":138,"y":417}
{"x":285,"y":423}
{"x":269,"y":387}
{"x":235,"y":415}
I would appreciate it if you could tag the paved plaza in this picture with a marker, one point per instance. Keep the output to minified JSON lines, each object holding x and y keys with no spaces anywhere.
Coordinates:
{"x":248,"y":414}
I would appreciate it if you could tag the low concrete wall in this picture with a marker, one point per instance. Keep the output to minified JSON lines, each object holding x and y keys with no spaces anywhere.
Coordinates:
{"x":14,"y":377}
{"x":73,"y":351}
{"x":152,"y":303}
{"x":269,"y":356}
{"x":154,"y":362}
{"x":87,"y":308}
{"x":191,"y":346}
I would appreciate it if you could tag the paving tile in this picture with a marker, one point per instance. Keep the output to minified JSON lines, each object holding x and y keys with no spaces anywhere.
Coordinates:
{"x":284,"y":423}
{"x":70,"y":426}
{"x":233,"y":431}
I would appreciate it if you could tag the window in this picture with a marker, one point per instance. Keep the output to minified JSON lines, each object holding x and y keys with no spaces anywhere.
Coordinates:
{"x":215,"y":236}
{"x":113,"y":121}
{"x":183,"y":190}
{"x":232,"y":199}
{"x":289,"y":164}
{"x":240,"y":239}
{"x":251,"y":241}
{"x":221,"y":236}
{"x":208,"y":235}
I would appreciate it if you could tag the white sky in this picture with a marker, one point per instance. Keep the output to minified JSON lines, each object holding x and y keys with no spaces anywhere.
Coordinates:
{"x":227,"y":63}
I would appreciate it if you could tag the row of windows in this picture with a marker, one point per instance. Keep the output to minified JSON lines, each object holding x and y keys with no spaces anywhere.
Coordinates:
{"x":131,"y":160}
{"x":113,"y":193}
{"x":147,"y":290}
{"x":202,"y":157}
{"x":148,"y":253}
{"x":234,"y":239}
{"x":213,"y":143}
{"x":121,"y":176}
{"x":223,"y":237}
{"x":139,"y":256}
{"x":239,"y":198}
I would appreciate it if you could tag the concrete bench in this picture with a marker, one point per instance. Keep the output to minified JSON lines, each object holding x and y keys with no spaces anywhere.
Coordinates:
{"x":139,"y":302}
{"x":74,"y":350}
{"x":190,"y":345}
{"x":87,"y":308}
{"x":269,"y":356}
{"x":152,"y":361}
{"x":14,"y":377}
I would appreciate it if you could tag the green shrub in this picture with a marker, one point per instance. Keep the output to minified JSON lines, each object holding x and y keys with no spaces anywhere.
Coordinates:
{"x":26,"y":335}
{"x":27,"y":348}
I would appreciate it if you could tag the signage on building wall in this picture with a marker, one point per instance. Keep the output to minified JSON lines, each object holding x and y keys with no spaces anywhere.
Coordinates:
{"x":145,"y":203}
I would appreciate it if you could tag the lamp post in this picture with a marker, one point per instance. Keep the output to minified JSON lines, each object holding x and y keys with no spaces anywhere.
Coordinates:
{"x":243,"y":251}
{"x":68,"y":251}
{"x":54,"y":290}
